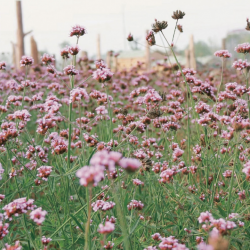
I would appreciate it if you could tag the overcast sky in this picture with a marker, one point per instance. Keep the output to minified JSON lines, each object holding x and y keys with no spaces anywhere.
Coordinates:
{"x":51,"y":21}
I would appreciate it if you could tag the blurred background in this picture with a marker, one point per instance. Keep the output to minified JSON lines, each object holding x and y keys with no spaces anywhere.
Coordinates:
{"x":109,"y":22}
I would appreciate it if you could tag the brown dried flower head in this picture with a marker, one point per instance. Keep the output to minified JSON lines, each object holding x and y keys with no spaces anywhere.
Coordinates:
{"x":130,"y":37}
{"x":178,"y":15}
{"x":159,"y":26}
{"x":150,"y":38}
{"x":179,"y":27}
{"x":248,"y":25}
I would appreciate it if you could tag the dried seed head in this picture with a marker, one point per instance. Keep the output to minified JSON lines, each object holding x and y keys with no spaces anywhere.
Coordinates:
{"x":130,"y":37}
{"x":159,"y":26}
{"x":178,"y":15}
{"x":179,"y":27}
{"x":150,"y":38}
{"x":248,"y":25}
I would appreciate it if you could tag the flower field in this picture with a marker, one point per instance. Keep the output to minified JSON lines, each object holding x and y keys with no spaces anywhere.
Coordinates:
{"x":96,"y":158}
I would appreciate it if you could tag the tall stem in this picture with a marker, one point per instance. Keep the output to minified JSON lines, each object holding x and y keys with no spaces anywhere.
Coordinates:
{"x":110,"y":114}
{"x":88,"y":221}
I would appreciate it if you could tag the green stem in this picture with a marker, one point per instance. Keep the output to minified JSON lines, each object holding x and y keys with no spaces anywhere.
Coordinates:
{"x":87,"y":235}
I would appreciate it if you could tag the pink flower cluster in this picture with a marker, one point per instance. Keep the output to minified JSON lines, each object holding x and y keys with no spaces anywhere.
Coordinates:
{"x":243,"y":48}
{"x":90,"y":175}
{"x":3,"y":229}
{"x":44,"y":172}
{"x":77,"y":94}
{"x":107,"y":228}
{"x":2,"y":65}
{"x":78,"y":31}
{"x":240,"y":64}
{"x":26,"y":61}
{"x":222,"y":53}
{"x":134,"y":204}
{"x":38,"y":215}
{"x":102,"y":73}
{"x":17,"y":207}
{"x":17,"y":246}
{"x":171,"y":243}
{"x":47,"y":59}
{"x":22,"y":115}
{"x":70,"y":70}
{"x":102,"y":205}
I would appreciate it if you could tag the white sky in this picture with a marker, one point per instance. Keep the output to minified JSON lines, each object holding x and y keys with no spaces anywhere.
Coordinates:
{"x":51,"y":21}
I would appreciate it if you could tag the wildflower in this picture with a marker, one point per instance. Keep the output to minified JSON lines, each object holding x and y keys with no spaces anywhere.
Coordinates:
{"x":74,"y":50}
{"x":44,"y":172}
{"x":130,"y":37}
{"x":46,"y":241}
{"x":2,"y":196}
{"x":159,"y":26}
{"x":65,"y":53}
{"x":150,"y":38}
{"x":243,"y":48}
{"x":3,"y":229}
{"x":168,"y":243}
{"x":107,"y":228}
{"x":167,"y":175}
{"x":38,"y":216}
{"x":242,"y":195}
{"x":156,"y":237}
{"x":222,"y":53}
{"x":205,"y":217}
{"x":180,"y":28}
{"x":107,"y":159}
{"x":90,"y":175}
{"x":47,"y":59}
{"x":70,"y":70}
{"x":102,"y":205}
{"x":109,"y":245}
{"x":150,"y":248}
{"x":1,"y":171}
{"x":78,"y":31}
{"x":102,"y":74}
{"x":130,"y":164}
{"x":101,"y":110}
{"x":26,"y":61}
{"x":178,"y":15}
{"x":22,"y":115}
{"x":2,"y":65}
{"x":18,"y":206}
{"x":204,"y":246}
{"x":138,"y":182}
{"x":59,"y":145}
{"x":77,"y":94}
{"x":134,"y":204}
{"x":240,"y":65}
{"x":17,"y":246}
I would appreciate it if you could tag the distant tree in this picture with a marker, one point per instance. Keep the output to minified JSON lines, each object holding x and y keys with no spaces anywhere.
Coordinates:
{"x":64,"y":44}
{"x":202,"y":49}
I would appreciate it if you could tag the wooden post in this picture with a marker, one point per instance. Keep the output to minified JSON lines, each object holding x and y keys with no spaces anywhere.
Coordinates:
{"x":223,"y":45}
{"x":108,"y":59}
{"x":192,"y":54}
{"x":147,"y":54}
{"x":20,"y":35}
{"x":14,"y":56}
{"x":98,"y":47}
{"x":187,"y":56}
{"x":34,"y":51}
